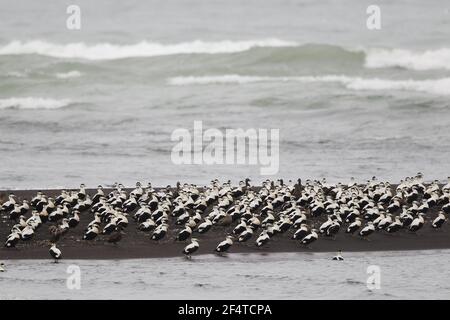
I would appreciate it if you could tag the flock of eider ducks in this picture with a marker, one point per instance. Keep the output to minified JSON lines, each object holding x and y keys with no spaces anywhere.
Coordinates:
{"x":307,"y":211}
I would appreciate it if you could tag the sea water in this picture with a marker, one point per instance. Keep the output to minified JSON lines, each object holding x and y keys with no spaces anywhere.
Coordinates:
{"x":399,"y":275}
{"x":99,"y":104}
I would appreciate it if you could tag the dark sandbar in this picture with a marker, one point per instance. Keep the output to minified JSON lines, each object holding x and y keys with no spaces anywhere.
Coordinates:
{"x":137,"y":244}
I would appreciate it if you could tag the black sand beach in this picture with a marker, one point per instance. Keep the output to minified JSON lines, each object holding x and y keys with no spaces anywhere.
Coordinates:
{"x":137,"y":244}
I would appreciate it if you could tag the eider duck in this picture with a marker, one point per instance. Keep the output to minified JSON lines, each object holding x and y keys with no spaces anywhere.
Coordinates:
{"x":333,"y":229}
{"x":130,"y":205}
{"x":299,"y":221}
{"x":110,"y":227}
{"x":338,"y":256}
{"x":262,"y":239}
{"x":395,"y":225}
{"x":439,"y":221}
{"x":285,"y":224}
{"x":247,"y":234}
{"x":301,"y":233}
{"x":200,"y":204}
{"x":55,"y":252}
{"x":191,"y":248}
{"x":384,"y":223}
{"x":12,"y":239}
{"x":122,"y":220}
{"x":324,"y":226}
{"x":254,"y":223}
{"x":143,"y":213}
{"x":138,"y":191}
{"x":184,"y":234}
{"x":160,"y":232}
{"x":367,"y":230}
{"x":205,"y":226}
{"x":147,"y":225}
{"x":241,"y":227}
{"x":100,"y":193}
{"x":74,"y":219}
{"x":272,"y":230}
{"x":417,"y":223}
{"x":36,"y":199}
{"x":27,"y":233}
{"x":310,"y":238}
{"x":354,"y":226}
{"x":406,"y":219}
{"x":82,"y":192}
{"x":9,"y":205}
{"x":182,"y":219}
{"x":15,"y":213}
{"x":92,"y":233}
{"x":224,"y":245}
{"x":56,"y":214}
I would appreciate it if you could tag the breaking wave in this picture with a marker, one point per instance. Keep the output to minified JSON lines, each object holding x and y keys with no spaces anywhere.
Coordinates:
{"x":69,"y":75}
{"x":288,"y":50}
{"x":33,"y":103}
{"x":108,"y":51}
{"x":427,"y":60}
{"x":433,"y":86}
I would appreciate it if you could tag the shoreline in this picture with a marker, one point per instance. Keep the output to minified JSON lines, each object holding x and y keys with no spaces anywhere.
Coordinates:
{"x":137,"y":244}
{"x":42,"y":253}
{"x":260,"y":253}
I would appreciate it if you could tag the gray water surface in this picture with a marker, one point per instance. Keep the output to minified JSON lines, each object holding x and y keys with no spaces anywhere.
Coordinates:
{"x":403,"y":275}
{"x":73,"y":110}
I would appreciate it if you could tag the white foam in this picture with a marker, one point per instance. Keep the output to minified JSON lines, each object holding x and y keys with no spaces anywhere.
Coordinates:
{"x":16,"y":74}
{"x":69,"y":75}
{"x":108,"y":51}
{"x":240,"y":79}
{"x":222,"y":79}
{"x":434,"y":86}
{"x":33,"y":103}
{"x":374,"y":57}
{"x":427,"y":60}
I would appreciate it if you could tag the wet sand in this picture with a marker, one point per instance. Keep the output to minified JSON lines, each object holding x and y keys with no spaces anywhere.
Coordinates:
{"x":137,"y":244}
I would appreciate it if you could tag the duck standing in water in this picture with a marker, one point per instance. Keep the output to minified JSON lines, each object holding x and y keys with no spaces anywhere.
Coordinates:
{"x":338,"y":256}
{"x":55,"y":252}
{"x":191,"y":248}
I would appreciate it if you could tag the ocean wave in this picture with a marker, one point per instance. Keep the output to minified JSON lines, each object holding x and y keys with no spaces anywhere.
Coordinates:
{"x":33,"y":103}
{"x":108,"y":51}
{"x":372,"y":57}
{"x":16,"y":74}
{"x":427,"y":60}
{"x":68,"y":75}
{"x":434,"y":86}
